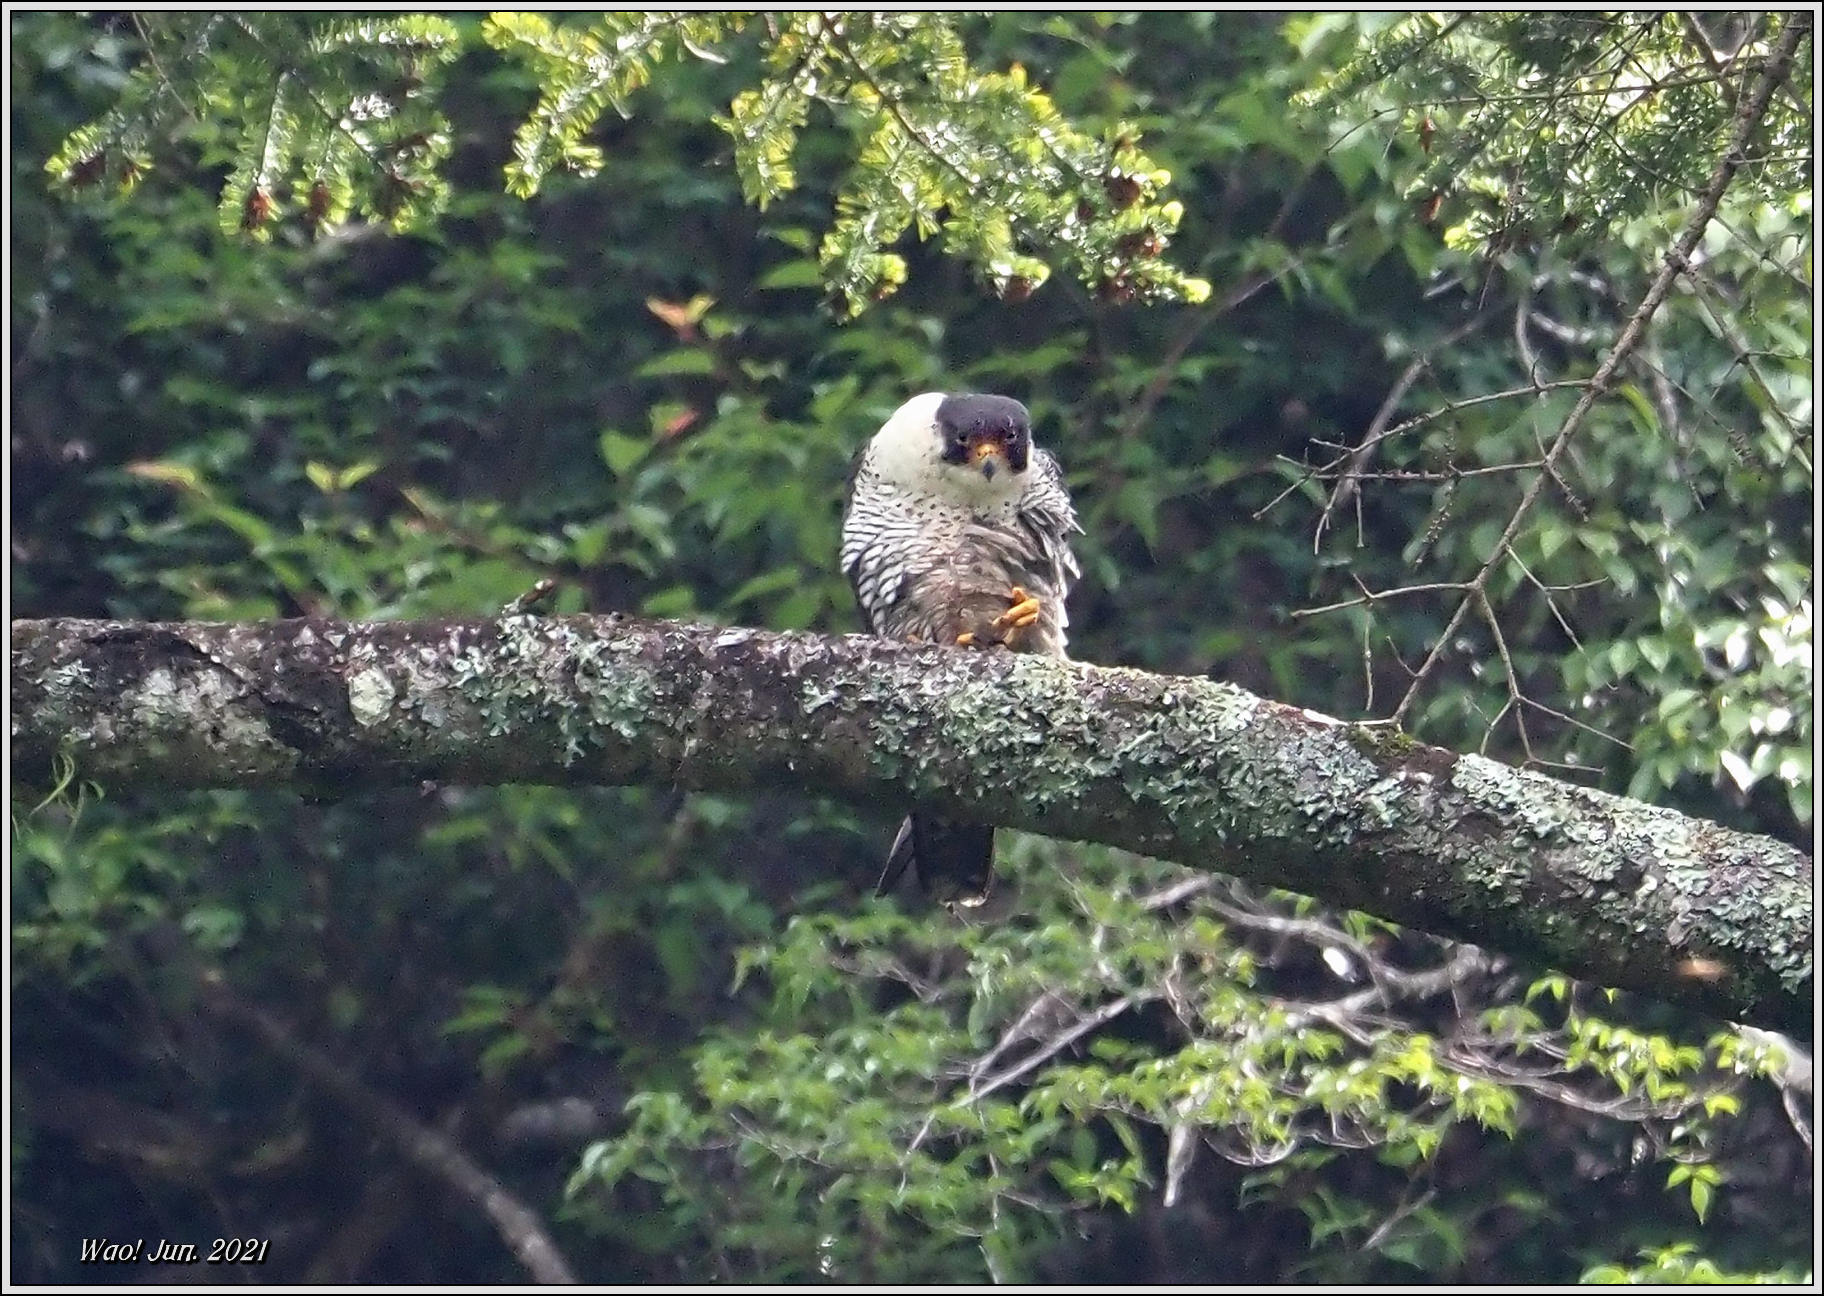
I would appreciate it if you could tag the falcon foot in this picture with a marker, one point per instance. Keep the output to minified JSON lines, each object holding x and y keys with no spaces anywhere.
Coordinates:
{"x":1021,"y":616}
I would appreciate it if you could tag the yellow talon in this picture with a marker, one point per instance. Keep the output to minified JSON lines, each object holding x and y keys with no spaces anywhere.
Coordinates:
{"x":965,"y":639}
{"x":1024,"y":612}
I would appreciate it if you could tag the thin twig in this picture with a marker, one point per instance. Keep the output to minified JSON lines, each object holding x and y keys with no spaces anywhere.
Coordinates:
{"x":1514,"y":692}
{"x":1372,"y":597}
{"x":1700,"y":38}
{"x":1063,"y":1040}
{"x":1346,"y":486}
{"x":1749,"y":116}
{"x":1744,"y":354}
{"x":1171,"y":895}
{"x":1449,"y":407}
{"x":166,"y":84}
{"x":1450,"y":474}
{"x":1014,"y":1033}
{"x":1555,"y":95}
{"x":1546,"y":590}
{"x":1405,"y":1209}
{"x":1575,"y":723}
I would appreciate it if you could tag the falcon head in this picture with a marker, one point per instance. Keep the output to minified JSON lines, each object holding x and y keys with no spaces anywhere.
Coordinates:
{"x":965,"y":447}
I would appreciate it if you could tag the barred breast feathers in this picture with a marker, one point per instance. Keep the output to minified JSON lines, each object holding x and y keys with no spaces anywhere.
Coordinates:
{"x":894,"y":539}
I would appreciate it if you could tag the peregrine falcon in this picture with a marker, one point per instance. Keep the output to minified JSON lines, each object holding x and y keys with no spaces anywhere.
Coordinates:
{"x":957,"y":531}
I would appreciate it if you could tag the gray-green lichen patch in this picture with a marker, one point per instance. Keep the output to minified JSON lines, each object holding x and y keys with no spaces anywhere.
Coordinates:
{"x":166,"y":702}
{"x":980,"y":711}
{"x":1510,"y":795}
{"x":422,"y":694}
{"x":370,"y":696}
{"x":63,"y":691}
{"x":619,"y":690}
{"x":1232,"y":710}
{"x":62,"y":681}
{"x":815,"y":694}
{"x":498,"y":674}
{"x":1389,"y":800}
{"x":1725,"y":904}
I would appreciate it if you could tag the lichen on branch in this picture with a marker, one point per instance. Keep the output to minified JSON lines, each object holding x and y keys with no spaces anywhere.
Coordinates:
{"x":1617,"y":891}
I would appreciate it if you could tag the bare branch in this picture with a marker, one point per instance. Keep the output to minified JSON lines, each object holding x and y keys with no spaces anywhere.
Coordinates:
{"x":1371,"y":597}
{"x":1358,"y":459}
{"x":1082,"y":1026}
{"x":425,"y":1147}
{"x":1448,"y":408}
{"x":1753,"y":108}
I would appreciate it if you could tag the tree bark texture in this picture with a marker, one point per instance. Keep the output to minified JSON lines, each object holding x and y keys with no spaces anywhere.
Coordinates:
{"x":1616,"y":891}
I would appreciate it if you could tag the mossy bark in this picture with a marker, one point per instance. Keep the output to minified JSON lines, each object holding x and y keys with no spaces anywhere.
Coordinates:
{"x":1612,"y":890}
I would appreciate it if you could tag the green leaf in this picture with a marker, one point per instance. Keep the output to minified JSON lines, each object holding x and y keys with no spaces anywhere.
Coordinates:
{"x":691,"y":360}
{"x":1701,"y":1191}
{"x":356,"y":473}
{"x":800,"y":273}
{"x":621,"y":452}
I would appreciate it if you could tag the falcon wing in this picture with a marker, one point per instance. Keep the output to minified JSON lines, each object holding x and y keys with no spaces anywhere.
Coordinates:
{"x":1049,"y":518}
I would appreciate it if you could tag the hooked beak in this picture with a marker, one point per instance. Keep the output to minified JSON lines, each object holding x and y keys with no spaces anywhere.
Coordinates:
{"x":988,"y":456}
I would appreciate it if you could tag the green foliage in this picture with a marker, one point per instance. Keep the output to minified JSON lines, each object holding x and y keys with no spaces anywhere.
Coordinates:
{"x":582,"y":72}
{"x":1656,"y":609}
{"x":326,"y":118}
{"x":315,"y":117}
{"x":1680,"y":1263}
{"x":983,"y":158}
{"x":915,"y":1082}
{"x":1563,"y":126}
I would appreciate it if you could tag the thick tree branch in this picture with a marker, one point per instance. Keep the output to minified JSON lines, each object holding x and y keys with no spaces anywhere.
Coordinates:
{"x":1616,"y":891}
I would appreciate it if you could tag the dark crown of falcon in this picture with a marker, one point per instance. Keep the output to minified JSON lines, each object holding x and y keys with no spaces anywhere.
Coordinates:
{"x":974,"y":426}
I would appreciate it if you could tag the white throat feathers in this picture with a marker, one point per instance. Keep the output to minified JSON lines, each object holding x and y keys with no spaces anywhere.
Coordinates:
{"x":933,"y":446}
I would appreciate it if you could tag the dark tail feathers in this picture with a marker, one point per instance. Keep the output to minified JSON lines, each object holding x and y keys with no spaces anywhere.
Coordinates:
{"x":954,"y":861}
